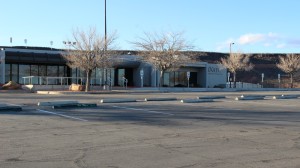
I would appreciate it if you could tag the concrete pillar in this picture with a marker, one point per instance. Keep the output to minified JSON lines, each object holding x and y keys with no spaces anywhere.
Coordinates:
{"x":2,"y":67}
{"x":154,"y":77}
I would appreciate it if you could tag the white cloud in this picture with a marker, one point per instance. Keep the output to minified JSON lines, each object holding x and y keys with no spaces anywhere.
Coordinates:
{"x":267,"y":44}
{"x":282,"y":45}
{"x":255,"y":38}
{"x":250,"y":38}
{"x":262,"y":40}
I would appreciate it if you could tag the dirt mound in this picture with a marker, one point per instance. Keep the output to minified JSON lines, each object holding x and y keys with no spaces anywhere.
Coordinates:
{"x":11,"y":85}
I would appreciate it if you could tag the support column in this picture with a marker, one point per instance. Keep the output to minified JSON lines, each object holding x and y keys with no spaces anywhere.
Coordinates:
{"x":2,"y":68}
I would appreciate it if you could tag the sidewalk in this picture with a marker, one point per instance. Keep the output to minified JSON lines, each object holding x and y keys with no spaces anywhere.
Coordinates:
{"x":116,"y":90}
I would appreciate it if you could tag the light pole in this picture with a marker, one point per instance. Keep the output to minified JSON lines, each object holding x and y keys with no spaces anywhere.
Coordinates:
{"x":25,"y":41}
{"x":51,"y":43}
{"x":10,"y":40}
{"x":105,"y":30}
{"x":68,"y":43}
{"x":230,"y":48}
{"x":229,"y":56}
{"x":105,"y":41}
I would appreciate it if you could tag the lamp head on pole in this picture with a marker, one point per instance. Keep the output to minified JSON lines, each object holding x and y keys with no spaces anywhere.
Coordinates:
{"x":230,"y":47}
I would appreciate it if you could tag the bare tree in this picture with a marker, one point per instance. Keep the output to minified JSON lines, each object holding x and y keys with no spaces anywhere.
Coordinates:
{"x":237,"y":62}
{"x":89,"y":51}
{"x":289,"y":64}
{"x":164,"y":51}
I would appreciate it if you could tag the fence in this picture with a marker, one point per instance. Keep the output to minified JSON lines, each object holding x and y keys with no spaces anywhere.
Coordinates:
{"x":242,"y":85}
{"x":43,"y":80}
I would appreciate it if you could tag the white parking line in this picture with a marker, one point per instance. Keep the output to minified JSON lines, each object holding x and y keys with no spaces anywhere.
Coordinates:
{"x":12,"y":104}
{"x":274,"y":104}
{"x":62,"y":115}
{"x":143,"y":110}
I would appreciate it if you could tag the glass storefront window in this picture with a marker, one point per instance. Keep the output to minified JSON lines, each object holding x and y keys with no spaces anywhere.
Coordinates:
{"x":52,"y":71}
{"x":74,"y":75}
{"x":182,"y":79}
{"x":43,"y":74}
{"x":93,"y":77}
{"x":166,"y":79}
{"x":42,"y":70}
{"x":112,"y":76}
{"x":7,"y":72}
{"x":179,"y":79}
{"x":61,"y":71}
{"x":98,"y":76}
{"x":14,"y":73}
{"x":121,"y":74}
{"x":35,"y":73}
{"x":172,"y":79}
{"x":24,"y":71}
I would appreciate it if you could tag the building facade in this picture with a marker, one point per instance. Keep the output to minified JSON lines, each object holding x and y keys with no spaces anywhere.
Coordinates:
{"x":45,"y":66}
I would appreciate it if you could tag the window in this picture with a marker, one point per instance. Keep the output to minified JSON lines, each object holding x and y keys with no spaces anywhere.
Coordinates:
{"x":166,"y":80}
{"x":35,"y":73}
{"x":43,"y":73}
{"x":14,"y":73}
{"x":61,"y":71}
{"x":52,"y":71}
{"x":7,"y":72}
{"x":24,"y":71}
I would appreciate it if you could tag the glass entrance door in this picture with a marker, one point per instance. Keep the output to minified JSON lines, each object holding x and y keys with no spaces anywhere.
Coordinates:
{"x":120,"y":73}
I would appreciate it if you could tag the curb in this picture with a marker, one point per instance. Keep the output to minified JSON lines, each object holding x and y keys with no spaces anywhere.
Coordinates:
{"x":80,"y":105}
{"x":253,"y":96}
{"x":286,"y":97}
{"x":9,"y":107}
{"x":56,"y":103}
{"x":161,"y":99}
{"x":117,"y":100}
{"x":196,"y":100}
{"x":211,"y":97}
{"x":250,"y":98}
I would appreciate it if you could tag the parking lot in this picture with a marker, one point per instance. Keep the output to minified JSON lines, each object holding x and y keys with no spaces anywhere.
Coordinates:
{"x":169,"y":134}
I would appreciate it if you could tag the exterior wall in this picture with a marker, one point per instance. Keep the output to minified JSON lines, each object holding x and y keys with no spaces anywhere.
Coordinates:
{"x":208,"y":75}
{"x":202,"y":77}
{"x":216,"y":75}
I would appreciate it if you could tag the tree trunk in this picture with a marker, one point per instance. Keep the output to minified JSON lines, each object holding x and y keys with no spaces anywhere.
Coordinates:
{"x":234,"y":79}
{"x":292,"y":83}
{"x":88,"y":79}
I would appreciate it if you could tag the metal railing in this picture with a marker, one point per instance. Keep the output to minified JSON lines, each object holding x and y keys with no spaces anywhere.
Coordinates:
{"x":242,"y":85}
{"x":45,"y":80}
{"x":125,"y":82}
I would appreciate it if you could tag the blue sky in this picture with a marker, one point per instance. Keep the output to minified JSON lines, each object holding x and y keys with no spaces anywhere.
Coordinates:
{"x":255,"y":26}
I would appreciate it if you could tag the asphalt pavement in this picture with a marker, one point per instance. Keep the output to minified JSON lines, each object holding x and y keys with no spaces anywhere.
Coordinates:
{"x":224,"y":133}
